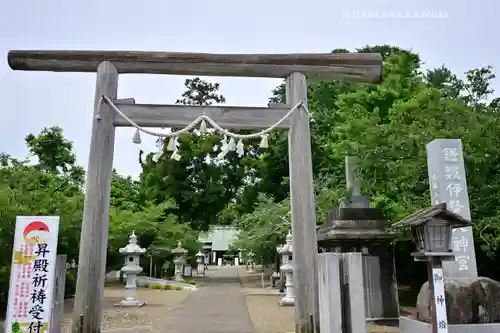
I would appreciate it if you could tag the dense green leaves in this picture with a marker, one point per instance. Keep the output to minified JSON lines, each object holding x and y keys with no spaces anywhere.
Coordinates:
{"x":388,"y":126}
{"x":201,"y":186}
{"x":54,"y":153}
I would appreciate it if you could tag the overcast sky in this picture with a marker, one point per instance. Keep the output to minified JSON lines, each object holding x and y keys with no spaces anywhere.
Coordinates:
{"x":459,"y":34}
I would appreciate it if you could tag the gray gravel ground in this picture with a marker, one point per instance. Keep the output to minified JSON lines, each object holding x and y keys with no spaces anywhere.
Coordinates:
{"x":150,"y":318}
{"x":266,"y":314}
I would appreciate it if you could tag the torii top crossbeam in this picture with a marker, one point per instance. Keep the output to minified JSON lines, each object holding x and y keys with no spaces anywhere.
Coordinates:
{"x":364,"y":67}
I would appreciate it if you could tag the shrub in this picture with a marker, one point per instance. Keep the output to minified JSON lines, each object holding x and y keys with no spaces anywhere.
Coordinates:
{"x":70,"y":287}
{"x":191,"y":282}
{"x":4,"y":288}
{"x":170,"y":287}
{"x":156,"y":286}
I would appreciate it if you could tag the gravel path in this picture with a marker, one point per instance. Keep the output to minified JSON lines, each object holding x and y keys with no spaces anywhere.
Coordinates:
{"x":150,"y":318}
{"x":267,"y":316}
{"x":218,"y":306}
{"x":263,"y":306}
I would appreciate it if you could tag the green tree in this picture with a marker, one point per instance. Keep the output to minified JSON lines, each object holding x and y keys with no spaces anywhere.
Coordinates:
{"x":126,"y":193}
{"x":263,"y":229}
{"x":200,"y":185}
{"x":388,"y":126}
{"x":200,"y":92}
{"x":55,"y":153}
{"x":152,"y":226}
{"x":26,"y":190}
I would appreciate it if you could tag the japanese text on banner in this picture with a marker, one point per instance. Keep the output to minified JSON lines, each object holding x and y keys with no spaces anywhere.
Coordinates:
{"x":32,"y":274}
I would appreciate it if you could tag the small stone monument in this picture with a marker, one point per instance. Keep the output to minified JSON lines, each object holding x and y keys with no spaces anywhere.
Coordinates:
{"x":179,"y":252}
{"x":132,"y":253}
{"x":287,"y":268}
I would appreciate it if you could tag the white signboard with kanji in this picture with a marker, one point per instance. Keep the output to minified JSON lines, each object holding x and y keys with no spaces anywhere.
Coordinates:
{"x":32,"y":274}
{"x":440,"y":300}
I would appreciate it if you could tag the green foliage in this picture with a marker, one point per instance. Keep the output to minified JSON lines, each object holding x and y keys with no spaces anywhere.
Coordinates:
{"x":201,"y":187}
{"x":388,"y":126}
{"x":53,"y":186}
{"x":70,"y":286}
{"x":55,"y":153}
{"x":28,"y":190}
{"x":263,"y":229}
{"x":126,"y":193}
{"x":164,"y":287}
{"x":171,"y":287}
{"x":199,"y":92}
{"x":4,"y":286}
{"x":156,"y":286}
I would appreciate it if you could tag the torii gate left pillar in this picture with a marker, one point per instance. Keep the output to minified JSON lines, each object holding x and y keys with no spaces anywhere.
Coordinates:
{"x":294,"y":67}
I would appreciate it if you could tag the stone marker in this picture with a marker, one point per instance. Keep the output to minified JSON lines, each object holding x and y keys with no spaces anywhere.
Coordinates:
{"x":447,"y":180}
{"x":353,"y":184}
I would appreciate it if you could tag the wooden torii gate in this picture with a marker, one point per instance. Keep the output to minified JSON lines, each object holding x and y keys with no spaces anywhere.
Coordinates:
{"x":363,"y":67}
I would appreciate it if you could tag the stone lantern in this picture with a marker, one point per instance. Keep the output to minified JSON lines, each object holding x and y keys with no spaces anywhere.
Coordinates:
{"x":277,"y":275}
{"x":251,"y":257}
{"x":431,"y":231}
{"x":179,"y":260}
{"x":356,"y":227}
{"x":132,"y":253}
{"x":287,"y":268}
{"x":200,"y":260}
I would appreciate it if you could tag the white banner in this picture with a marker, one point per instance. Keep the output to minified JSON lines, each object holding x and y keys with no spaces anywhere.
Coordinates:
{"x":32,"y":274}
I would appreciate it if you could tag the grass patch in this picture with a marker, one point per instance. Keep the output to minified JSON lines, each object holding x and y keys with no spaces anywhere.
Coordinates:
{"x":170,"y":287}
{"x":191,"y":282}
{"x":155,"y":286}
{"x":164,"y":287}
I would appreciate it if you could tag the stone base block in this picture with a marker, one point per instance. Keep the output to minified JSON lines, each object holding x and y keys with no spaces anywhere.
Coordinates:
{"x":135,"y":303}
{"x":410,"y":325}
{"x":287,"y":301}
{"x":472,"y":300}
